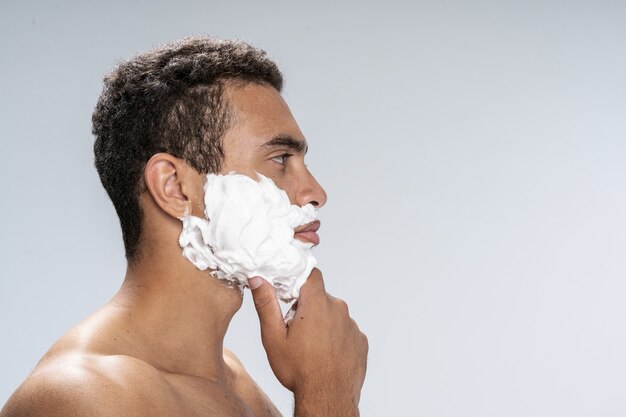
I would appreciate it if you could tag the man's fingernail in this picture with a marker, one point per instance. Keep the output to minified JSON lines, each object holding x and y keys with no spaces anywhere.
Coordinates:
{"x":255,"y":282}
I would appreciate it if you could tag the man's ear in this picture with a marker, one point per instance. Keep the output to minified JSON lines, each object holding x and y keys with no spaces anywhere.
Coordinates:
{"x":170,"y":182}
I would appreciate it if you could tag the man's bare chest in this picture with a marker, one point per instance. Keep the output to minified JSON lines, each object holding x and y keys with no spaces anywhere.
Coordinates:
{"x":192,"y":398}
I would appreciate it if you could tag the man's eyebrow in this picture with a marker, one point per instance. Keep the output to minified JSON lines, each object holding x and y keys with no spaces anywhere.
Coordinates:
{"x":286,"y":141}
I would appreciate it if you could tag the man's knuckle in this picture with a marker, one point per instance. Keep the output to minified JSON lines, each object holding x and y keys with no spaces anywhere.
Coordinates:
{"x":342,"y":305}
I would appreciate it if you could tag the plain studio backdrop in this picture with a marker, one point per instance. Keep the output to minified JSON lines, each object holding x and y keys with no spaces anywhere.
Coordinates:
{"x":474,"y":154}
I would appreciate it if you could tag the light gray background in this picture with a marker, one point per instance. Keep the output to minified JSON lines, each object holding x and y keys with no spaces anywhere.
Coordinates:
{"x":474,"y":154}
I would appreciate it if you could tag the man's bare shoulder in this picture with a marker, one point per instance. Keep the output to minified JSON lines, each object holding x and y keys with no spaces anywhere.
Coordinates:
{"x":75,"y":384}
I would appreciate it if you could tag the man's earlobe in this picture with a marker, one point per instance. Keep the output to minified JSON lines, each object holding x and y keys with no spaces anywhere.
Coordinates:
{"x":164,"y":184}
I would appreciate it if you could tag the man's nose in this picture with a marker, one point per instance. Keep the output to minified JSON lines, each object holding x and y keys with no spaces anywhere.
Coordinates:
{"x":311,"y":192}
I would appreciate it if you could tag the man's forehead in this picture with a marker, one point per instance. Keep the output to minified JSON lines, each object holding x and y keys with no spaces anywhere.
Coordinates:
{"x":261,"y":112}
{"x":255,"y":99}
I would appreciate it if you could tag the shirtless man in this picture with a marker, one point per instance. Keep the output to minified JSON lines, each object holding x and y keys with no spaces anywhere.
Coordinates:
{"x":164,"y":120}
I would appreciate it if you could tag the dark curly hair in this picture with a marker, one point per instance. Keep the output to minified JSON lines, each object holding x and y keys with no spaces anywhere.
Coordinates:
{"x":169,"y":100}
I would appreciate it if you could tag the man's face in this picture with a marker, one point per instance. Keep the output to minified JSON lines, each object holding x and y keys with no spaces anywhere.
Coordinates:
{"x":265,"y":138}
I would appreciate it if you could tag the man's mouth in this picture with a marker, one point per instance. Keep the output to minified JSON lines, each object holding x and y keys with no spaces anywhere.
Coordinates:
{"x":308,"y":232}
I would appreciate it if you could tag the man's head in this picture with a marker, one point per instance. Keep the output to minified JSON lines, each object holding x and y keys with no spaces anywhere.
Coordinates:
{"x":212,"y":104}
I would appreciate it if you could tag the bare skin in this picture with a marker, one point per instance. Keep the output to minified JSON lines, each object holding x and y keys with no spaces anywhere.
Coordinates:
{"x":156,"y":349}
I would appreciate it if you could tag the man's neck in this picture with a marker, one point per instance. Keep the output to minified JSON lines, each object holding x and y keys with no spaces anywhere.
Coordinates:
{"x":179,"y":314}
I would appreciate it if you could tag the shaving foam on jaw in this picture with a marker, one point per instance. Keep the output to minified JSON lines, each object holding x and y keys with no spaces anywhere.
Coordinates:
{"x":249,"y":231}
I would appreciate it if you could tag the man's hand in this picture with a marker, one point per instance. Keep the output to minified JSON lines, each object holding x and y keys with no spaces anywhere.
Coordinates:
{"x":320,"y":355}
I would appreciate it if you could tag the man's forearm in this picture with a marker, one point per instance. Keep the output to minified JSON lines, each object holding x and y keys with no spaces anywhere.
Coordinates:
{"x":316,"y":406}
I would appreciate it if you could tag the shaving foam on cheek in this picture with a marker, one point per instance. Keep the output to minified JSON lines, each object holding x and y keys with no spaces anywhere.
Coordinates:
{"x":249,"y":231}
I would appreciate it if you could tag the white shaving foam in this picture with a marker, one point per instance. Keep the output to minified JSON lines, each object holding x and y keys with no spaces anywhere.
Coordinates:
{"x":249,"y":231}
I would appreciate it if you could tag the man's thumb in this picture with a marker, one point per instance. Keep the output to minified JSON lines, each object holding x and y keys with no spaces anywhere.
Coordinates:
{"x":267,"y":307}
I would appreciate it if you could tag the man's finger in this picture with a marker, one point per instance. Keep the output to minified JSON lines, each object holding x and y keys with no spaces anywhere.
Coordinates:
{"x":313,"y":285}
{"x":268,"y":309}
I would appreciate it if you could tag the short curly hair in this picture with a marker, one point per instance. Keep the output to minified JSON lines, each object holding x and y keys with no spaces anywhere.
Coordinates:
{"x":169,"y":99}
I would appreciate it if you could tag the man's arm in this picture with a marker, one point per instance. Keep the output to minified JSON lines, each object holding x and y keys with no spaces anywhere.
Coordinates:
{"x":320,"y":356}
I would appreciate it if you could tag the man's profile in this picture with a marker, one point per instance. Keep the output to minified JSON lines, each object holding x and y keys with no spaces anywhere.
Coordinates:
{"x":165,"y":119}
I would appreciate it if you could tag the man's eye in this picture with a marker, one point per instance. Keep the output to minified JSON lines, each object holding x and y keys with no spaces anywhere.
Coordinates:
{"x":281,"y":159}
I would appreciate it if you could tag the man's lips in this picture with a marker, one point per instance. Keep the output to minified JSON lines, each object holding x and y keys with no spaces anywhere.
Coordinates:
{"x":308,"y":232}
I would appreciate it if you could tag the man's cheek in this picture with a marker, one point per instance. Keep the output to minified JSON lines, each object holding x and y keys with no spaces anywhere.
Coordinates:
{"x":247,"y":230}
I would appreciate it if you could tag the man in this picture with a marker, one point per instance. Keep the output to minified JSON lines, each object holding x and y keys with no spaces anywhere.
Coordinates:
{"x":164,"y":120}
